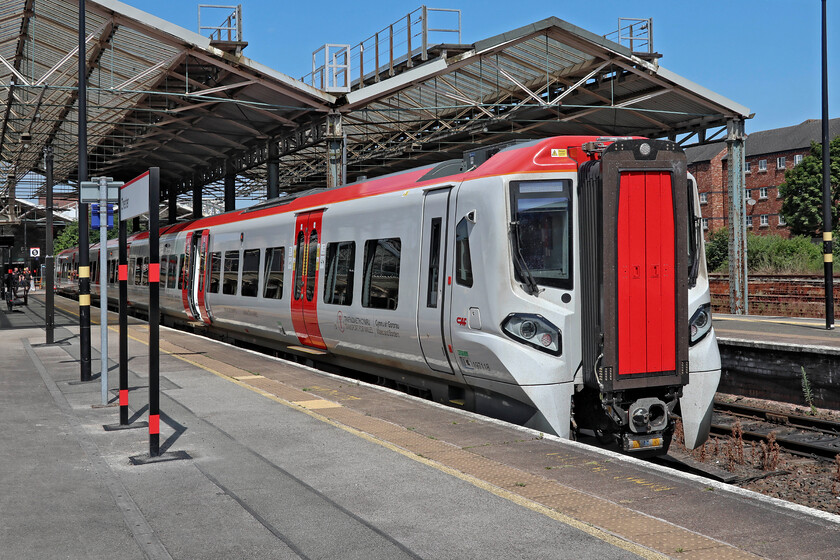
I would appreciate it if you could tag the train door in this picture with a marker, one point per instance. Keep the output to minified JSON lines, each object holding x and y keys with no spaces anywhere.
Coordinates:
{"x":431,"y":317}
{"x":304,"y":291}
{"x":189,"y":267}
{"x":201,"y":276}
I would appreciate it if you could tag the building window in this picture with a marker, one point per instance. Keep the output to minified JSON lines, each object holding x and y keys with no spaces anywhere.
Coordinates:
{"x":762,"y":193}
{"x":762,"y":165}
{"x":748,"y":194}
{"x":797,"y":159}
{"x":705,"y":223}
{"x":338,"y":281}
{"x":764,"y":220}
{"x":749,"y":221}
{"x":704,"y":198}
{"x":780,"y":163}
{"x":782,"y":221}
{"x":747,"y":167}
{"x":381,"y":280}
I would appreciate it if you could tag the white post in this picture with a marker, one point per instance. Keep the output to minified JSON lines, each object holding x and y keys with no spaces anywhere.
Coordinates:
{"x":103,"y":285}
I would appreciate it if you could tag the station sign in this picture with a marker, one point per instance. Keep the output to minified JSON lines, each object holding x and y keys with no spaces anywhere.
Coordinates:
{"x":34,"y":252}
{"x":134,"y":197}
{"x":89,"y":191}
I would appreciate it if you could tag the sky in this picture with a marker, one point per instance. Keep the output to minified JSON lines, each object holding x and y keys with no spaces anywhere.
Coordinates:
{"x":764,"y":55}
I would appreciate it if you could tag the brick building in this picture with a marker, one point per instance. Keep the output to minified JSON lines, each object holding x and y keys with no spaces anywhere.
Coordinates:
{"x":768,"y":154}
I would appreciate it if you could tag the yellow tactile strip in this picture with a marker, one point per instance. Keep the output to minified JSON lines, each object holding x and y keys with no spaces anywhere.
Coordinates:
{"x":649,"y":532}
{"x":560,"y":502}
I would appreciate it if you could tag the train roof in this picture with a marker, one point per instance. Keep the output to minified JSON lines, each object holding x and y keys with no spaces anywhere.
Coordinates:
{"x":559,"y":153}
{"x":554,"y":154}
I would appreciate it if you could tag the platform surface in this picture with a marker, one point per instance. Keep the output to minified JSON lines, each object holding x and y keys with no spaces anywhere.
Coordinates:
{"x":786,"y":331}
{"x":288,"y":462}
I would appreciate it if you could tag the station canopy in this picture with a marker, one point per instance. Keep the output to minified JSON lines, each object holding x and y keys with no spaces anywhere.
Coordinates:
{"x":195,"y":106}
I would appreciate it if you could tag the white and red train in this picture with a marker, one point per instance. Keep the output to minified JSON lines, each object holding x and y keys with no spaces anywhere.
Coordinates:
{"x":559,"y":283}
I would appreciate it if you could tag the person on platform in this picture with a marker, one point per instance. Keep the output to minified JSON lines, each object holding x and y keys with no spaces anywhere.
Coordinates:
{"x":26,"y":284}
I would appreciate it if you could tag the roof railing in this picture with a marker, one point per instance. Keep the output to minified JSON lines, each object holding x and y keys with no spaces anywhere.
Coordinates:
{"x":401,"y":44}
{"x":228,"y":35}
{"x":634,"y":33}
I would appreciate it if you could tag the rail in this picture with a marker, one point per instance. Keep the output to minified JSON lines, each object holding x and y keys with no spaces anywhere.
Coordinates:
{"x":402,"y":43}
{"x":801,"y":435}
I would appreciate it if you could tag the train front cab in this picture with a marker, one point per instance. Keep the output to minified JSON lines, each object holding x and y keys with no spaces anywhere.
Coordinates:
{"x":636,"y":277}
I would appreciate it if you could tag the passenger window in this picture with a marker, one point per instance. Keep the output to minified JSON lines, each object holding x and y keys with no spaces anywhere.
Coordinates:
{"x":230,"y":280}
{"x":299,"y":266}
{"x":338,"y":280}
{"x":215,"y":271}
{"x":273,"y":275}
{"x":144,"y":279}
{"x":251,"y":272}
{"x":136,"y":266}
{"x":311,"y":265}
{"x":463,"y":261}
{"x":164,"y":270}
{"x":94,"y":266}
{"x":172,"y":277}
{"x":185,"y":266}
{"x":434,"y":263}
{"x":381,"y":284}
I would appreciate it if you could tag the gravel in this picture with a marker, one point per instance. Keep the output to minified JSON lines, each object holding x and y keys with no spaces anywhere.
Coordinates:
{"x":764,"y":468}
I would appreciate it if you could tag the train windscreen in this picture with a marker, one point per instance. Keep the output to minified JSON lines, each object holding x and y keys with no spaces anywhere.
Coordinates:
{"x":541,"y":215}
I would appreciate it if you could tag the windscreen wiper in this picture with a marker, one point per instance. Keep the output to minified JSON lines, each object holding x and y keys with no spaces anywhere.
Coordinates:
{"x":531,"y":285}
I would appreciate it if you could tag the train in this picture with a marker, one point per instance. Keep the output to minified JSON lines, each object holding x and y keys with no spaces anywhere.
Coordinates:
{"x":558,"y":283}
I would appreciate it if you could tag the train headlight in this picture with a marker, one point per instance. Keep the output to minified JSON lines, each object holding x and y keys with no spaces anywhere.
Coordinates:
{"x":527,"y":329}
{"x":700,"y":324}
{"x":535,"y":331}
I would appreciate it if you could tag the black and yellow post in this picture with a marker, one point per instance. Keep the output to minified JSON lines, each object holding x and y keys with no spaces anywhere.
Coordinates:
{"x":828,"y":244}
{"x":84,"y":240}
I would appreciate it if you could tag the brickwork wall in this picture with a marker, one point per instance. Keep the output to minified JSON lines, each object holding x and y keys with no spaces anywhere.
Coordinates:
{"x":798,"y":296}
{"x":712,"y":179}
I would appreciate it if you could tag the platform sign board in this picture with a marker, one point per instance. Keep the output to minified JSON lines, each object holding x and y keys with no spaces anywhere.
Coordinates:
{"x":134,"y":197}
{"x":89,"y":191}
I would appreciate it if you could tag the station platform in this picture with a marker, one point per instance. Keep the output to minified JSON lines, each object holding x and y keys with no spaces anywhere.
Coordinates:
{"x":776,"y":331}
{"x":284,"y":461}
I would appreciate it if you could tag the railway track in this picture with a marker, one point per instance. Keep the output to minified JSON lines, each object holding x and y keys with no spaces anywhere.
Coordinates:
{"x":798,"y":434}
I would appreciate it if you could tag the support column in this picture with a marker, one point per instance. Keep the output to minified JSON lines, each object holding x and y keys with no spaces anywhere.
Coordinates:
{"x":197,"y":200}
{"x":172,"y":213}
{"x":230,"y":188}
{"x":49,"y":271}
{"x":735,"y":136}
{"x":336,"y":160}
{"x":273,"y":165}
{"x":84,"y":244}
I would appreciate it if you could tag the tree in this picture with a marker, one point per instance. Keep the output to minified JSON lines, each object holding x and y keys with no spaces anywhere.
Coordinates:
{"x":802,"y":191}
{"x":69,"y":237}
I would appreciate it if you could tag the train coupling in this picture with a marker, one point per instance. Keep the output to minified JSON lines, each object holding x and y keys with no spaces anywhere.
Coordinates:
{"x":642,"y":442}
{"x":648,"y":420}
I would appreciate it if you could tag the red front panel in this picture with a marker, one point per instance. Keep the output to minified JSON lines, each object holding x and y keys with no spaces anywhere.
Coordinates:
{"x":646,"y":287}
{"x":305,"y":279}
